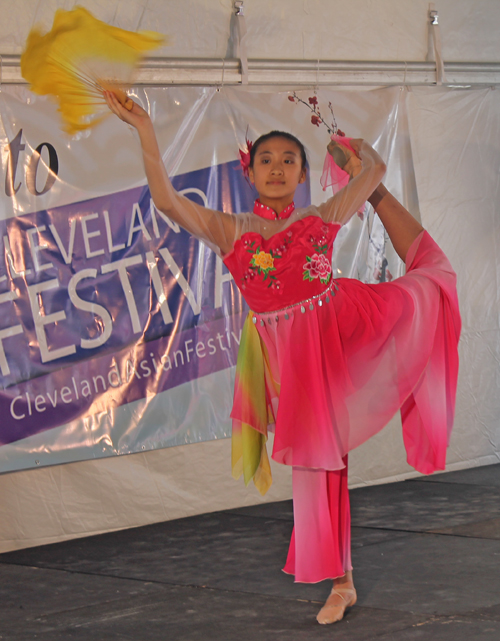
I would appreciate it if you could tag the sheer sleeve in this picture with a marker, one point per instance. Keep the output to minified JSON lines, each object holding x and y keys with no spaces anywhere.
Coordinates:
{"x":217,"y":229}
{"x":348,"y":200}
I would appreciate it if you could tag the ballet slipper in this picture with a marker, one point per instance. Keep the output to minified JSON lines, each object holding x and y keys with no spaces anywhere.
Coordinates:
{"x":332,"y":612}
{"x":338,"y":153}
{"x":344,"y":158}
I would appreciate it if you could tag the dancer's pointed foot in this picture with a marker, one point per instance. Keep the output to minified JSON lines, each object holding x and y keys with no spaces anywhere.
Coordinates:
{"x":341,"y":597}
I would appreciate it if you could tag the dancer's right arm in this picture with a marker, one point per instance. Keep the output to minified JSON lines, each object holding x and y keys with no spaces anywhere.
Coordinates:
{"x":214,"y":227}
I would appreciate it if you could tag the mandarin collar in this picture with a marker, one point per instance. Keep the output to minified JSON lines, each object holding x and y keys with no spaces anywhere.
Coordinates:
{"x":267,"y":212}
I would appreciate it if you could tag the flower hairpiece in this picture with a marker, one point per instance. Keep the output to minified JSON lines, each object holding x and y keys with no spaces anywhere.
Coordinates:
{"x":245,"y":157}
{"x":316,"y":117}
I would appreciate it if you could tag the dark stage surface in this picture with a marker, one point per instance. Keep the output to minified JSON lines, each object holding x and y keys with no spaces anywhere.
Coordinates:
{"x":426,"y":555}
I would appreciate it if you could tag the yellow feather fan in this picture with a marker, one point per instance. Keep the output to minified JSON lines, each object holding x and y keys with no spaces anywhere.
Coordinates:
{"x":78,"y":59}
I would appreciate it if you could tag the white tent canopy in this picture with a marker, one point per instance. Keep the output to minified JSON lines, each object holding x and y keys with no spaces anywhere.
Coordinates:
{"x":290,"y":41}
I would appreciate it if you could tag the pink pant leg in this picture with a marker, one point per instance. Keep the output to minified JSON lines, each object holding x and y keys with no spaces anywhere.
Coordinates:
{"x":320,"y":547}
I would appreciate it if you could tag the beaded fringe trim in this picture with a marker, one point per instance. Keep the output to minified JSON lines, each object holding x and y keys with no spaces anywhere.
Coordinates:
{"x":288,"y":311}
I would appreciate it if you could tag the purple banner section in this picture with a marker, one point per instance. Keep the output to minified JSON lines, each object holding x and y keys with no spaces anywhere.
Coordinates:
{"x":106,"y":382}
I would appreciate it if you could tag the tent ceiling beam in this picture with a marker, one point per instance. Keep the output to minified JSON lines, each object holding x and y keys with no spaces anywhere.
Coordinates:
{"x":205,"y":71}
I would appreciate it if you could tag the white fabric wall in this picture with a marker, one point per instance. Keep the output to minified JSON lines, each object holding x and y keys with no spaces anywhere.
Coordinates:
{"x":456,"y":147}
{"x":455,"y":141}
{"x":80,"y":499}
{"x":456,"y":153}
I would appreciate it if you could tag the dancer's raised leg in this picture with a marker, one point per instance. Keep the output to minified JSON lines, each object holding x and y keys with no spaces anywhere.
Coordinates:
{"x":400,"y":225}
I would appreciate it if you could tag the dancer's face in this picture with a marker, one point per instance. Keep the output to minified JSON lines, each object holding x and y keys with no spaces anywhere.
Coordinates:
{"x":277,"y":171}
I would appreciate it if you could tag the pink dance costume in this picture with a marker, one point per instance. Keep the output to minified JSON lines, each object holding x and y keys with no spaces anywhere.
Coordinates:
{"x":326,"y":363}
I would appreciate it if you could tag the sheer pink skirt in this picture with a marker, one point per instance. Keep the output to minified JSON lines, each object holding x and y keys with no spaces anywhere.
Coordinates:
{"x":339,"y":371}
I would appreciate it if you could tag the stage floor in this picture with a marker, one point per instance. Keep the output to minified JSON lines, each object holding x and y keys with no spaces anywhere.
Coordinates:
{"x":426,"y":554}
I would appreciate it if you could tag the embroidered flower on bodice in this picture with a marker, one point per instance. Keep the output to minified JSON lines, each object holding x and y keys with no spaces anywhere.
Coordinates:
{"x":264,"y":261}
{"x":317,"y":266}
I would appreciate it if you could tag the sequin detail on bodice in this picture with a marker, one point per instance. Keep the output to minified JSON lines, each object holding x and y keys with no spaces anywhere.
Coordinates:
{"x":267,"y":212}
{"x":291,"y":266}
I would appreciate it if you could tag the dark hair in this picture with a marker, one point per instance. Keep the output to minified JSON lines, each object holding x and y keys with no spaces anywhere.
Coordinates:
{"x":278,"y":134}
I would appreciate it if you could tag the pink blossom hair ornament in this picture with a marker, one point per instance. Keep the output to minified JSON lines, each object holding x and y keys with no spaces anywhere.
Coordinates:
{"x":245,"y":157}
{"x":316,"y":117}
{"x":333,"y":175}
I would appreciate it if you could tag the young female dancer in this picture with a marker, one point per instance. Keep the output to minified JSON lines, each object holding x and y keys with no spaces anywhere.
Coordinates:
{"x":341,"y":357}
